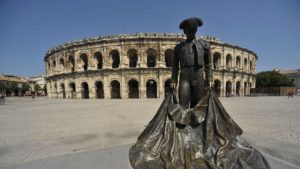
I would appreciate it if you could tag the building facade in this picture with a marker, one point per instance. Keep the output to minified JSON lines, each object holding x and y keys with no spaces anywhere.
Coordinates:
{"x":293,"y":75}
{"x":138,"y":66}
{"x":11,"y":85}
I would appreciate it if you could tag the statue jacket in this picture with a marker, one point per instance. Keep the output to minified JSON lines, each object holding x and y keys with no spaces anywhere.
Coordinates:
{"x":184,"y":57}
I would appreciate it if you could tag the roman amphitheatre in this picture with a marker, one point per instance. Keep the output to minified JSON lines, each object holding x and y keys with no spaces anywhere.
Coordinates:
{"x":138,"y":66}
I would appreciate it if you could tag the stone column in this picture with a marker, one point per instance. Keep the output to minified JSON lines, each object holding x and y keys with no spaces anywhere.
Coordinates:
{"x":106,"y":88}
{"x":142,"y":88}
{"x":143,"y":57}
{"x":160,"y":86}
{"x":124,"y":91}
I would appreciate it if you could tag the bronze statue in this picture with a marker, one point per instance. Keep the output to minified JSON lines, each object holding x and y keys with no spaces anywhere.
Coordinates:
{"x":197,"y":132}
{"x":194,"y":58}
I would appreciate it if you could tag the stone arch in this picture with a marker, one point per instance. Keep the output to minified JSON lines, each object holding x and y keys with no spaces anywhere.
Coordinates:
{"x":72,"y":63}
{"x":228,"y":61}
{"x":132,"y":57}
{"x":228,"y":88}
{"x":115,"y":58}
{"x":216,"y":60}
{"x":217,"y":87}
{"x":115,"y":89}
{"x":99,"y":90}
{"x":133,"y":89}
{"x":245,"y":88}
{"x":99,"y":60}
{"x":151,"y":89}
{"x":84,"y":59}
{"x":167,"y":86}
{"x":238,"y":88}
{"x":151,"y":57}
{"x":169,"y":57}
{"x":54,"y":63}
{"x":238,"y":62}
{"x":251,"y":65}
{"x":63,"y":90}
{"x":72,"y":86}
{"x":85,"y":94}
{"x":245,"y":63}
{"x":62,"y":62}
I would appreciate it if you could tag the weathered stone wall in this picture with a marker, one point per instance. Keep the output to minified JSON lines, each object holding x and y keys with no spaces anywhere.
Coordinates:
{"x":140,"y":65}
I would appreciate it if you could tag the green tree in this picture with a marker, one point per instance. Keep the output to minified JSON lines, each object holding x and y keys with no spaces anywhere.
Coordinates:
{"x":271,"y":79}
{"x":25,"y":87}
{"x":45,"y":89}
{"x":2,"y":87}
{"x":37,"y":87}
{"x":14,"y":86}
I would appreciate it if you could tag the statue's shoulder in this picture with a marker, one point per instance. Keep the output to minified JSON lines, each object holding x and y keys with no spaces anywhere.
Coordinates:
{"x":204,"y":43}
{"x":179,"y":45}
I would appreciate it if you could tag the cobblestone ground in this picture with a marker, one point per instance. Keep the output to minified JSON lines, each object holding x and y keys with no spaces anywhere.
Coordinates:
{"x":43,"y":128}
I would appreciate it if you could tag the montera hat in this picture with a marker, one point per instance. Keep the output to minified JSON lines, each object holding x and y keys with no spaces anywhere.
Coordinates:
{"x":191,"y":23}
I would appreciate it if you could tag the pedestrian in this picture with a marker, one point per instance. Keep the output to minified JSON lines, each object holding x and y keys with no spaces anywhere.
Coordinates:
{"x":32,"y":95}
{"x":290,"y":94}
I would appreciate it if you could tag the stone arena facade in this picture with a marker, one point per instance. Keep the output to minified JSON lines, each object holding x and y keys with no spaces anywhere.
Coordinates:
{"x":138,"y":66}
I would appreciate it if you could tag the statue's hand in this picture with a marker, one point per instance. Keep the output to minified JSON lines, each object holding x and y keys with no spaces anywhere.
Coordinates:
{"x":173,"y":85}
{"x":210,"y":83}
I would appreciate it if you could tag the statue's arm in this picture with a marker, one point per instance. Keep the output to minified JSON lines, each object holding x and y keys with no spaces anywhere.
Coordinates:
{"x":175,"y":66}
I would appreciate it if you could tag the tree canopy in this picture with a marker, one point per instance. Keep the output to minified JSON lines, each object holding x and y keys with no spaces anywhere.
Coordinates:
{"x":272,"y":79}
{"x":25,"y":87}
{"x":37,"y":87}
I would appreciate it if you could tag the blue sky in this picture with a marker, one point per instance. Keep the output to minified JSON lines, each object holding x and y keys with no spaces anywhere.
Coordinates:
{"x":271,"y":28}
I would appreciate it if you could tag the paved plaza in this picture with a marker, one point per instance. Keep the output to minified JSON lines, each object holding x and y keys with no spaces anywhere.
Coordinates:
{"x":50,"y":133}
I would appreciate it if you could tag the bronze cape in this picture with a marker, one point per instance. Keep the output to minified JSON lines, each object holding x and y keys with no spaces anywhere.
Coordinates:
{"x":203,"y":137}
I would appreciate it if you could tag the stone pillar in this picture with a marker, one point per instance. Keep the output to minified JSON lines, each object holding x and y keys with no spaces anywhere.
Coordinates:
{"x":143,"y":57}
{"x":92,"y":91}
{"x":124,"y":91}
{"x":78,"y":92}
{"x":143,"y":94}
{"x":106,"y":88}
{"x":160,"y":86}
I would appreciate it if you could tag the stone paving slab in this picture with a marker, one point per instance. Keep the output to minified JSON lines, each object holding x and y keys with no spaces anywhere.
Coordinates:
{"x":112,"y":158}
{"x":44,"y":130}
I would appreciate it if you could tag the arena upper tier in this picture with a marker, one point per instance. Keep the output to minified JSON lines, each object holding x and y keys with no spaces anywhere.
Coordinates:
{"x":138,"y":66}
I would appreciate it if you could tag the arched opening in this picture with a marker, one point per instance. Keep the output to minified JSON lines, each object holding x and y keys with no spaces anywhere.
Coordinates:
{"x":237,"y":88}
{"x":73,"y":90}
{"x":99,"y":60}
{"x":216,"y":60}
{"x":228,"y":61}
{"x":217,"y":87}
{"x":151,"y":58}
{"x":245,"y":88}
{"x":55,"y":90}
{"x":62,"y":62}
{"x":151,"y":89}
{"x":63,"y":90}
{"x":245,"y":63}
{"x":54,"y":64}
{"x":115,"y":56}
{"x":167,"y":86}
{"x":169,"y":57}
{"x":72,"y":63}
{"x":238,"y":62}
{"x":228,"y":88}
{"x":115,"y":89}
{"x":85,"y":90}
{"x":99,"y":90}
{"x":84,"y":59}
{"x":133,"y":57}
{"x":133,"y":86}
